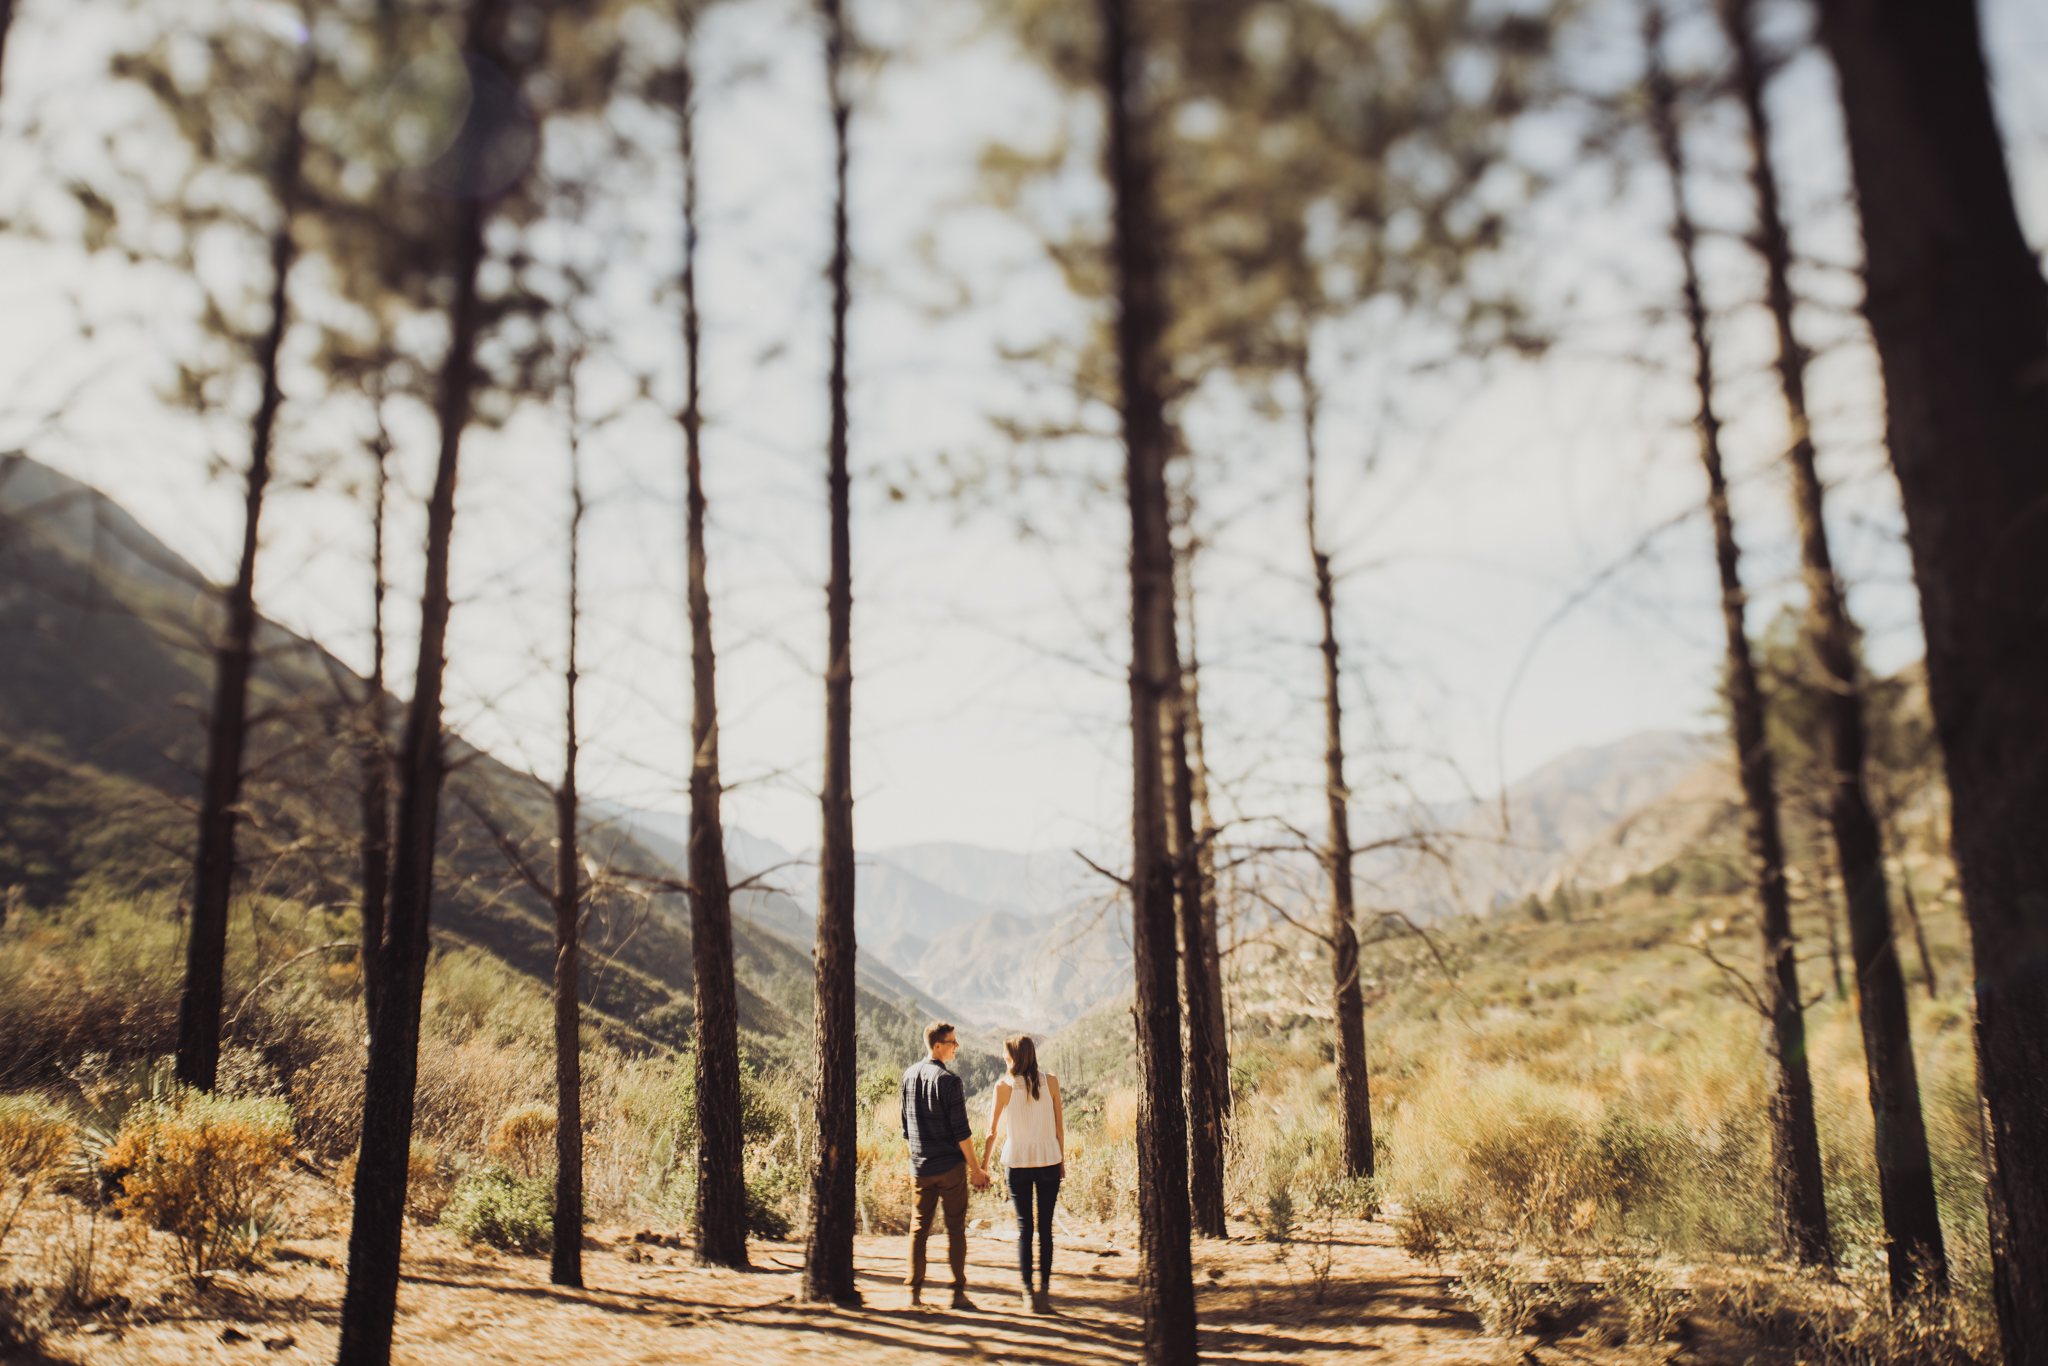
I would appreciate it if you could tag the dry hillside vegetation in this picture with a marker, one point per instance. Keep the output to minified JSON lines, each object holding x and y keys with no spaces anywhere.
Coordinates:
{"x":1569,"y":1130}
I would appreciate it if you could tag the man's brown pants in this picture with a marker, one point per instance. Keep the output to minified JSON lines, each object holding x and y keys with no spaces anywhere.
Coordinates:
{"x":950,"y":1190}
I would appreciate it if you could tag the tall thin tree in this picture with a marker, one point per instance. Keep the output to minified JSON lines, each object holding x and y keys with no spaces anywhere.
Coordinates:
{"x":721,"y":1210}
{"x":373,"y":762}
{"x":566,"y":1260}
{"x":1802,"y":1221}
{"x":1166,"y":1283}
{"x":370,"y":1303}
{"x":1206,"y":832}
{"x":6,"y":26}
{"x":828,"y":1250}
{"x":1197,"y":946}
{"x":1959,"y":310}
{"x":1905,"y":1174}
{"x":213,"y":877}
{"x":1354,"y":1099}
{"x":1205,"y":1119}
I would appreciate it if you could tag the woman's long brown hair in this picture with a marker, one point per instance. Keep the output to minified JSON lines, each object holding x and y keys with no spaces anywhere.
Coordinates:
{"x":1023,"y":1060}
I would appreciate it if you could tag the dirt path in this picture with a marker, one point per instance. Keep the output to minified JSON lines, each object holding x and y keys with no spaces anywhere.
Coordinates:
{"x":1257,"y":1302}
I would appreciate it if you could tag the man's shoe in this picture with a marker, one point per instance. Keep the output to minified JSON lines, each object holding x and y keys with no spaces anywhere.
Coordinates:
{"x":1041,"y":1303}
{"x":917,"y":1297}
{"x":960,"y":1300}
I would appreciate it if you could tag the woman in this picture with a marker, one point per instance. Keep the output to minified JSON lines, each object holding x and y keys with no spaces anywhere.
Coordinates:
{"x":1034,"y":1149}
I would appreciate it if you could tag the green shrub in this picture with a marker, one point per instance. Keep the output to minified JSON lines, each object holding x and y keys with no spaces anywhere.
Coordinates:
{"x":498,"y":1207}
{"x":765,"y":1218}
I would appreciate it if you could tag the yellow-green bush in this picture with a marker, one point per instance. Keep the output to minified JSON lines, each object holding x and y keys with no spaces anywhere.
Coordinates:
{"x":203,"y":1170}
{"x":500,"y":1207}
{"x":524,"y":1140}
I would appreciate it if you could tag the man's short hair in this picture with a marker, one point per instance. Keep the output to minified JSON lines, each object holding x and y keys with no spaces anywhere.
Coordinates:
{"x":936,"y":1032}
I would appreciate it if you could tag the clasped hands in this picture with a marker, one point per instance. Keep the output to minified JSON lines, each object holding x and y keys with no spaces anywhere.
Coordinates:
{"x":981,"y":1179}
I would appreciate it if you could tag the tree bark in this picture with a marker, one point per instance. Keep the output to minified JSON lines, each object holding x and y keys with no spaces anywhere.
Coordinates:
{"x":1919,"y":930}
{"x":1166,"y":1285}
{"x":1205,"y":1120}
{"x":1205,"y":869}
{"x":721,"y":1207}
{"x":566,"y":1261}
{"x":1798,"y":1204}
{"x":373,"y":848}
{"x":1905,"y":1174}
{"x":1354,"y":1097}
{"x":213,"y":876}
{"x":370,"y":1302}
{"x":6,"y":25}
{"x":1959,"y":311}
{"x":828,"y":1251}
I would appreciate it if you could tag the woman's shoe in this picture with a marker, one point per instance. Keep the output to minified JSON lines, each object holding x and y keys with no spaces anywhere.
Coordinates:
{"x":1027,"y":1303}
{"x":1041,"y":1302}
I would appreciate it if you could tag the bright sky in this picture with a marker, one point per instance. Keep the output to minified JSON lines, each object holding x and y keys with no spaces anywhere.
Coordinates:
{"x":989,"y":702}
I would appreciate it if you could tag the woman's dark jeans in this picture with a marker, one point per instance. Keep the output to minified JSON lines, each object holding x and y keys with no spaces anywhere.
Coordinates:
{"x":1039,"y":1186}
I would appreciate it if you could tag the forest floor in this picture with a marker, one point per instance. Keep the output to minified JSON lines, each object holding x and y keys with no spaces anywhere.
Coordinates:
{"x":644,"y":1303}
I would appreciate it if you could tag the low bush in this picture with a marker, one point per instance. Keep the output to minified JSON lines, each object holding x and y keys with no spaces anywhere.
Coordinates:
{"x":524,"y":1141}
{"x":499,"y":1207}
{"x":35,"y":1143}
{"x":765,"y":1199}
{"x":202,"y":1169}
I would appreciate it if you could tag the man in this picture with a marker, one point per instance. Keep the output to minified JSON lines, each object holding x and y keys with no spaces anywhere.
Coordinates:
{"x":942,"y":1153}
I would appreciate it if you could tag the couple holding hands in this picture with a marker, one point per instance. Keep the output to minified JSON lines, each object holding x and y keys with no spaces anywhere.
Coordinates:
{"x":942,"y":1154}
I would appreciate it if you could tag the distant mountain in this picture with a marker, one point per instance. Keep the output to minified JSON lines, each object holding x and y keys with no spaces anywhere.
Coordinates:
{"x":1011,"y":940}
{"x":1502,"y":850}
{"x":1041,"y":883}
{"x":988,"y":964}
{"x":770,"y":910}
{"x":105,"y":667}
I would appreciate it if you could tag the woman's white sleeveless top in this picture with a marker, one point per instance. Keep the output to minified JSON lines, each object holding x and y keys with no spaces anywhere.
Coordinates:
{"x":1029,"y":1136}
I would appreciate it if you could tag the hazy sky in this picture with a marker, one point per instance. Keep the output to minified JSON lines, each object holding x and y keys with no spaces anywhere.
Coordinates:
{"x":1468,"y":508}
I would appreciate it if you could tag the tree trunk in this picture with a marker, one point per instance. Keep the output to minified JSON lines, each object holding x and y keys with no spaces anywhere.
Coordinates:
{"x":1354,"y":1097}
{"x":373,"y":848}
{"x":1205,"y":869}
{"x":721,"y":1210}
{"x":1166,"y":1285}
{"x":1194,"y":874}
{"x":6,"y":24}
{"x":1959,"y":311}
{"x":1827,"y":908}
{"x":828,"y":1252}
{"x":371,"y":1300}
{"x":1205,"y":1121}
{"x":1905,"y":1175}
{"x":566,"y":1263}
{"x":213,"y":877}
{"x":1913,"y":918}
{"x":1799,"y":1204}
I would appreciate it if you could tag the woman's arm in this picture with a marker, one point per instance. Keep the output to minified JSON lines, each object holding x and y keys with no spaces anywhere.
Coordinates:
{"x":995,"y":1117}
{"x":1059,"y":1120}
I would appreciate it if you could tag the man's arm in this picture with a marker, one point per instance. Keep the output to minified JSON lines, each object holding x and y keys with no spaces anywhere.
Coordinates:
{"x":955,"y":1097}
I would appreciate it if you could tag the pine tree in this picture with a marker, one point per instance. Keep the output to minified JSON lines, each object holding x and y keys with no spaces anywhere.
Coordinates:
{"x":1795,"y":1144}
{"x":828,"y":1250}
{"x":1958,"y":307}
{"x":1165,"y":1268}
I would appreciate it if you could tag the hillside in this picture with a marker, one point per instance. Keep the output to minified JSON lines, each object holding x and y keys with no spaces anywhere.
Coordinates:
{"x":103,"y":671}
